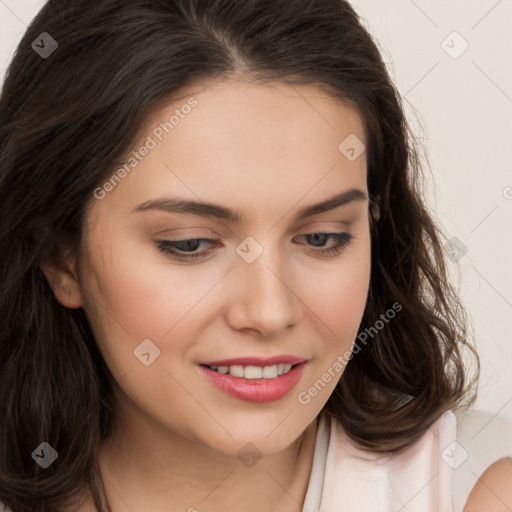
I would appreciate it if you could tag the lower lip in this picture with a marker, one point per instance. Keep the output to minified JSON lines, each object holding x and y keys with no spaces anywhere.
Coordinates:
{"x":256,"y":390}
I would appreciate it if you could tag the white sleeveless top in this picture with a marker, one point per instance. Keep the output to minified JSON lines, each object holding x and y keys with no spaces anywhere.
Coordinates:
{"x":435,"y":474}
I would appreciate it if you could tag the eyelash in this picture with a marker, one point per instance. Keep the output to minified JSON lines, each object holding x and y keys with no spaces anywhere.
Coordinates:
{"x":166,"y":246}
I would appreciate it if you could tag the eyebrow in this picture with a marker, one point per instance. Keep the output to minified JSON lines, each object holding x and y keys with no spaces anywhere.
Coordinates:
{"x":203,"y":209}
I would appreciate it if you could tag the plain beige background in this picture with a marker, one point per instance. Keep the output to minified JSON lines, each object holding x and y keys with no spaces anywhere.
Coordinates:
{"x":451,"y":61}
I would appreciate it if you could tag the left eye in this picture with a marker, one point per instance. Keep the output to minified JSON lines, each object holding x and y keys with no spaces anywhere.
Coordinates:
{"x":186,"y":249}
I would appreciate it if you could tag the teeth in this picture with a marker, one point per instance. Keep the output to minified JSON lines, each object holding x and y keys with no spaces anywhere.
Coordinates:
{"x":254,"y":372}
{"x":236,"y":371}
{"x":270,"y":372}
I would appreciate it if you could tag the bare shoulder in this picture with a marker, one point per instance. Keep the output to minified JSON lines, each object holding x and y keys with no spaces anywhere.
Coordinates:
{"x":493,"y":490}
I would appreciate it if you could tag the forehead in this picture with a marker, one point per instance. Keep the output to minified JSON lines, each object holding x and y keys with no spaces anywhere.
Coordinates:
{"x":244,"y":143}
{"x":238,"y":108}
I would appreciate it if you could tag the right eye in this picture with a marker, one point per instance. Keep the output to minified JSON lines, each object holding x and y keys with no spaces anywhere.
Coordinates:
{"x":184,"y":248}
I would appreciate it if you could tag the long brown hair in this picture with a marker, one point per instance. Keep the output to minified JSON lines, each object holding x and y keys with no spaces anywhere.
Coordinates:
{"x":67,"y":119}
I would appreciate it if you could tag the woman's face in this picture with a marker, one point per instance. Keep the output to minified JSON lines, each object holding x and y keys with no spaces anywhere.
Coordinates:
{"x":261,"y":287}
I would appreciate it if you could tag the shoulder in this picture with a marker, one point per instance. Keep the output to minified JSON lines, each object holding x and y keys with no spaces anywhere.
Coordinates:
{"x":493,"y":490}
{"x":482,"y":475}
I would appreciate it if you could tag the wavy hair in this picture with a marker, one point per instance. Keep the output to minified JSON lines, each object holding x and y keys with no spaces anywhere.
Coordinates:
{"x":68,"y":119}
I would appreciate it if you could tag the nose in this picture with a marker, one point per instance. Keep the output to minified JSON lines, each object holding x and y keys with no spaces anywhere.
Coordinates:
{"x":262,"y":296}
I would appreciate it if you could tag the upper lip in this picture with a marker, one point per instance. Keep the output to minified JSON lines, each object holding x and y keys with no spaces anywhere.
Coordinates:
{"x":256,"y":361}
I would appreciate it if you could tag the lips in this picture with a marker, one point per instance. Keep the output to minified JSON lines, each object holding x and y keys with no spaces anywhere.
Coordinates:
{"x":249,"y":387}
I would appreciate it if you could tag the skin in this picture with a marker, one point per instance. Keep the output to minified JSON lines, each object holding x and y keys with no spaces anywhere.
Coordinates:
{"x":492,"y":491}
{"x":268,"y":151}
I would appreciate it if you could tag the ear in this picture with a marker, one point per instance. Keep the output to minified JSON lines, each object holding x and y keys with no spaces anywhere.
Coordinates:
{"x":60,"y":269}
{"x":375,"y":208}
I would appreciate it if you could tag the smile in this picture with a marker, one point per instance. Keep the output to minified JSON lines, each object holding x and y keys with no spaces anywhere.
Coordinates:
{"x":254,"y":383}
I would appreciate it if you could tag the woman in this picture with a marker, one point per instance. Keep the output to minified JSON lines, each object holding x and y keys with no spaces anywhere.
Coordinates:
{"x":221,"y":287}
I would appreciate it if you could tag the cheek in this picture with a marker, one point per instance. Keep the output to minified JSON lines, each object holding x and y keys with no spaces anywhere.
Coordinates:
{"x":146,"y":296}
{"x":131,"y":298}
{"x":341,"y":308}
{"x":339,"y":295}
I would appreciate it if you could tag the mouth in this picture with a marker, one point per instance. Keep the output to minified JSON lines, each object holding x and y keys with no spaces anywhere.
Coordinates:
{"x":254,"y":383}
{"x":253,"y":372}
